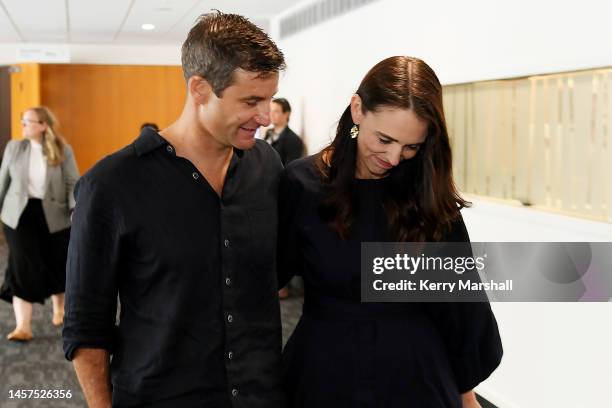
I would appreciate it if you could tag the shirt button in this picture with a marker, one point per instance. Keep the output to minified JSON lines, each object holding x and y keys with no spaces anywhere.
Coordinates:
{"x":195,"y":175}
{"x":230,"y":318}
{"x":170,"y":149}
{"x":226,"y":243}
{"x":228,"y":281}
{"x":234,"y":392}
{"x":230,"y":355}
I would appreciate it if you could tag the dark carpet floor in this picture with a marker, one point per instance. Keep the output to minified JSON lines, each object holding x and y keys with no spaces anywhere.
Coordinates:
{"x":40,"y":364}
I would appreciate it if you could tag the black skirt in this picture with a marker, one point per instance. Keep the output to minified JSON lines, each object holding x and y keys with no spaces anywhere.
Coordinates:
{"x":36,"y":266}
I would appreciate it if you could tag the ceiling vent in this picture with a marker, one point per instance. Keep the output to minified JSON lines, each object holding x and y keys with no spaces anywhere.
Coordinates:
{"x":316,"y":13}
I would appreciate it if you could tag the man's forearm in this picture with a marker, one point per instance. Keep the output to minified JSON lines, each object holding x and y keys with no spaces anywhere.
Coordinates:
{"x":92,"y":368}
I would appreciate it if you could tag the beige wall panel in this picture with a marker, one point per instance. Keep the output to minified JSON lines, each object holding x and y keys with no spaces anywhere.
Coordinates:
{"x":581,"y":144}
{"x":606,"y":130}
{"x":542,"y":140}
{"x":454,"y":100}
{"x":522,"y":126}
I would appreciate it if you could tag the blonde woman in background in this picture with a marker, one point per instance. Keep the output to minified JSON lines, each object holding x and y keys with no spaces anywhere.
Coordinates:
{"x":37,"y":180}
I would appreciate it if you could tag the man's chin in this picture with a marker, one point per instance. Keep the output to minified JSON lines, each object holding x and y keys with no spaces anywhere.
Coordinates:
{"x":244,"y":144}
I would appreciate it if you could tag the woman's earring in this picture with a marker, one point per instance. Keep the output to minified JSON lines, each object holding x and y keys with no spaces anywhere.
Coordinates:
{"x":354,"y":131}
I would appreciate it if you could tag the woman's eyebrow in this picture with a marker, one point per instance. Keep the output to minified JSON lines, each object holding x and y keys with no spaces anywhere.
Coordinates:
{"x":386,"y":136}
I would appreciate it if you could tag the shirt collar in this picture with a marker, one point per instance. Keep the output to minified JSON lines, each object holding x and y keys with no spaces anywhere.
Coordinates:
{"x":148,"y":141}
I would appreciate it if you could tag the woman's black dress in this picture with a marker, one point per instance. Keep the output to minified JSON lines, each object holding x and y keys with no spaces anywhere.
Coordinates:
{"x":344,"y":353}
{"x":36,"y":267}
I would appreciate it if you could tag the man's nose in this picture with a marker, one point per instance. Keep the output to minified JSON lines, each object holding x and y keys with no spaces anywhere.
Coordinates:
{"x":263,"y":117}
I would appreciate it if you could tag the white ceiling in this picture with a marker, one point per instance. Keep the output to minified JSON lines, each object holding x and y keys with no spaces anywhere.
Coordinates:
{"x":119,"y":21}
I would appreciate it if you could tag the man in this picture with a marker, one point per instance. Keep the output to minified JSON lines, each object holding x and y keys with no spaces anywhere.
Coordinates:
{"x":181,"y":225}
{"x":288,"y":145}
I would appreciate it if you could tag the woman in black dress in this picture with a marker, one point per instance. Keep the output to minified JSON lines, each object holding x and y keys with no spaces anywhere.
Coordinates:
{"x":37,"y":179}
{"x":387,"y":176}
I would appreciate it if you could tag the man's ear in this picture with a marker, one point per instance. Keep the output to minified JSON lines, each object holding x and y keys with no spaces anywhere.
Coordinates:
{"x":199,"y":89}
{"x":356,"y":109}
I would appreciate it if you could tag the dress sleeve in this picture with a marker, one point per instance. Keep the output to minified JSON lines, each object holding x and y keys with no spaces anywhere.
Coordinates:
{"x":470,"y":332}
{"x":91,"y":270}
{"x":290,"y":192}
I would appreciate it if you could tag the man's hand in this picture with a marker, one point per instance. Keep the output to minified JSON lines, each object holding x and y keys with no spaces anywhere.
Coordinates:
{"x":92,"y":368}
{"x":468,"y":400}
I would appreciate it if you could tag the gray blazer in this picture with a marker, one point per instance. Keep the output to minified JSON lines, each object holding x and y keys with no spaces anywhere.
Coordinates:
{"x":59,"y":186}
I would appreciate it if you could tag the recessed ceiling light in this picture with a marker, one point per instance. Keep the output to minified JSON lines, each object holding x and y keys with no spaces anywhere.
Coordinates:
{"x":147,"y":27}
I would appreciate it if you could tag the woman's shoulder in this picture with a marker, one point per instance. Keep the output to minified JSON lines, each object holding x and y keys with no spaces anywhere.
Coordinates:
{"x":303,"y":175}
{"x":15,"y":145}
{"x":304,"y":170}
{"x":457,"y":232}
{"x":305,"y":166}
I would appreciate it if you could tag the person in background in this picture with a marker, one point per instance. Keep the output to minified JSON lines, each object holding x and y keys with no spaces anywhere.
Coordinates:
{"x":149,"y":125}
{"x":284,"y":140}
{"x":386,"y":177}
{"x":181,"y":225}
{"x":37,"y":180}
{"x":289,"y":147}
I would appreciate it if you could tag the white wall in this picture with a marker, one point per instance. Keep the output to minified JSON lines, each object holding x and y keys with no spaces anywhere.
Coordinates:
{"x":556,"y":354}
{"x":102,"y":54}
{"x":462,"y":41}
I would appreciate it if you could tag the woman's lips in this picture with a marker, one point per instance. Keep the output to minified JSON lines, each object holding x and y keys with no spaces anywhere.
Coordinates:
{"x":381,"y":163}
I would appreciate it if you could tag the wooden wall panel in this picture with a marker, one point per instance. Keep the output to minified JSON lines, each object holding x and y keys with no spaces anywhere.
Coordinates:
{"x":25,"y":93}
{"x":101,"y":107}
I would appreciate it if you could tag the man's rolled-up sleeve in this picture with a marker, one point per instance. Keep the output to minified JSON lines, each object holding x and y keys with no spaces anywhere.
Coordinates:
{"x":91,"y":270}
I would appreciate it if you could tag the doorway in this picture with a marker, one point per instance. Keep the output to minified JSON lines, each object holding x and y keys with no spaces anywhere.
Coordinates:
{"x":5,"y":107}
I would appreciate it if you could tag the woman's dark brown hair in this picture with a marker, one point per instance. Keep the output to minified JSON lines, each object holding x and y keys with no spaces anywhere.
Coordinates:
{"x":421,"y":199}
